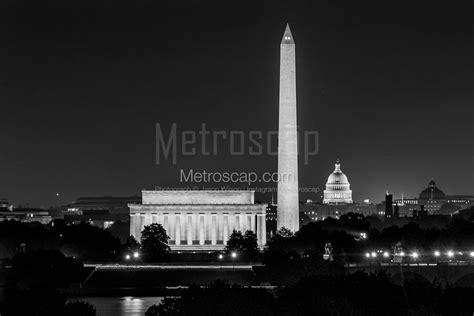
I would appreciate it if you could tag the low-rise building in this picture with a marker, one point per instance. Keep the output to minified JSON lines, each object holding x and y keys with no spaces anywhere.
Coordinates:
{"x":199,"y":220}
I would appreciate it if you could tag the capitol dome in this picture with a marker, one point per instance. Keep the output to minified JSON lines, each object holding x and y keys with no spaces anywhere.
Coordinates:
{"x":337,"y":177}
{"x":432,"y":192}
{"x":337,"y":187}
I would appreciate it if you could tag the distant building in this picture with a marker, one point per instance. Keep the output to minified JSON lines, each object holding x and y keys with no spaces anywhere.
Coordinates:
{"x":101,"y":211}
{"x":396,"y":211}
{"x":4,"y":203}
{"x":435,"y":201}
{"x":112,"y":204}
{"x":388,"y":205}
{"x":199,"y":220}
{"x":432,"y":198}
{"x":271,"y":218}
{"x":312,"y":211}
{"x":420,"y":213}
{"x":26,"y":215}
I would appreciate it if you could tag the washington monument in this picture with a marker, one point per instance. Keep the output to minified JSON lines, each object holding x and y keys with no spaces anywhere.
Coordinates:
{"x":288,"y":203}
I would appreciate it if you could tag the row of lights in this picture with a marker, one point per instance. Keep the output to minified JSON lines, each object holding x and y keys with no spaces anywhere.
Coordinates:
{"x":134,"y":255}
{"x":233,"y":255}
{"x":415,"y":255}
{"x":451,"y":254}
{"x":385,"y":254}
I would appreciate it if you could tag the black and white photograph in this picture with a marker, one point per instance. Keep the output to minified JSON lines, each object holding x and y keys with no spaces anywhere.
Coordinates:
{"x":305,"y":157}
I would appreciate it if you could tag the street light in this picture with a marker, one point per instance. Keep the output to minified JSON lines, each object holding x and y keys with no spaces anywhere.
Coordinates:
{"x":414,"y":255}
{"x":437,"y":253}
{"x":221,"y":256}
{"x":471,"y":254}
{"x":367,"y":255}
{"x":127,"y":257}
{"x":373,"y":254}
{"x":233,"y":255}
{"x":450,"y":254}
{"x":386,"y":254}
{"x":136,"y":254}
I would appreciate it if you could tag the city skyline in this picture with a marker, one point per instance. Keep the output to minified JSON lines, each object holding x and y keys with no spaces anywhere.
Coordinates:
{"x":236,"y":157}
{"x":82,"y":105}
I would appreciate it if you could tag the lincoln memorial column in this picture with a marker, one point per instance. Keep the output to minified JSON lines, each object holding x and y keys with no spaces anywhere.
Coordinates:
{"x":166,"y":224}
{"x":172,"y":226}
{"x":195,"y":227}
{"x":237,"y":222}
{"x":133,"y":224}
{"x":177,"y":226}
{"x":182,"y":220}
{"x":213,"y":229}
{"x":220,"y":230}
{"x":201,"y":229}
{"x":189,"y":229}
{"x":231,"y":218}
{"x":225,"y":225}
{"x":253,"y":227}
{"x":142,"y":223}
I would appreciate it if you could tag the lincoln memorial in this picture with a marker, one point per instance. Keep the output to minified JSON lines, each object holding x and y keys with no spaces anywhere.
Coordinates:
{"x":199,"y":220}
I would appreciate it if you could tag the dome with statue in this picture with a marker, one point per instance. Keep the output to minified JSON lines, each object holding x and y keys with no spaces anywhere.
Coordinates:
{"x":432,"y":192}
{"x":337,"y":187}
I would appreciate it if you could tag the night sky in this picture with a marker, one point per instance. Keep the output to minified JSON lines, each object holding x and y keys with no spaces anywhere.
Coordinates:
{"x":388,"y":85}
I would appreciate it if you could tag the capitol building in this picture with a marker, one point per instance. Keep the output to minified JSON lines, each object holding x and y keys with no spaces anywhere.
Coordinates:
{"x":337,"y":200}
{"x":337,"y":187}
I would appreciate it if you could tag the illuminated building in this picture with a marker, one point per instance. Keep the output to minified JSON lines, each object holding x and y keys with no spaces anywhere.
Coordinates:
{"x":111,"y":204}
{"x":199,"y":220}
{"x":26,"y":215}
{"x":435,"y":201}
{"x":5,"y":204}
{"x":271,"y":218}
{"x":337,"y":187}
{"x":432,"y":198}
{"x":337,"y":200}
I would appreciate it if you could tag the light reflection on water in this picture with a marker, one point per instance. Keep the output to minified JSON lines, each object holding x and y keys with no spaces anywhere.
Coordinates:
{"x":121,"y":306}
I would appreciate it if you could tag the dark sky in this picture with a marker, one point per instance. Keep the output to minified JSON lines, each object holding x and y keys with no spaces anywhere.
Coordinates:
{"x":388,"y":85}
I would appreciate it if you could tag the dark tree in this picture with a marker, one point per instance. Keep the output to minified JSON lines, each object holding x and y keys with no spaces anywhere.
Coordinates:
{"x":250,"y":245}
{"x":235,"y":242}
{"x":217,"y":299}
{"x":246,"y":245}
{"x":131,"y":244}
{"x":121,"y":230}
{"x":285,"y":232}
{"x":46,"y":267}
{"x":154,"y":242}
{"x":343,"y":294}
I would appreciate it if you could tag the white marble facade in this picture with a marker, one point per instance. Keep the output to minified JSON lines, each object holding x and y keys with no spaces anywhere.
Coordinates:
{"x":288,"y":200}
{"x":199,"y":220}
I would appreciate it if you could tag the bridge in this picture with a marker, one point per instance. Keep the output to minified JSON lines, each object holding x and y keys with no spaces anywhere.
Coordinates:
{"x":171,"y":267}
{"x":458,"y":273}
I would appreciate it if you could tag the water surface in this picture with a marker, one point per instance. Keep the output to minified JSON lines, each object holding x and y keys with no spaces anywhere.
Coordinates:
{"x":121,"y":306}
